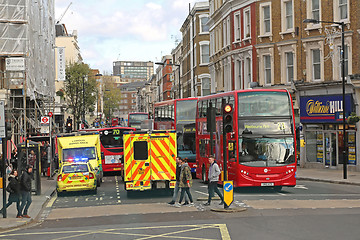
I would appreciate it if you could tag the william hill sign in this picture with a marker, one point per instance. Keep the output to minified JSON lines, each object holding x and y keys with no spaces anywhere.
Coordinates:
{"x":324,"y":109}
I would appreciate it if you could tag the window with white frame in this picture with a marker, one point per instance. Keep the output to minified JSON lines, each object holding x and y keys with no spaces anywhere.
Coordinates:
{"x":287,"y":15}
{"x":205,"y":86}
{"x":204,"y":52}
{"x":247,"y":23}
{"x":316,"y":64}
{"x":265,"y":18}
{"x":237,"y":27}
{"x":267,"y":69}
{"x":343,"y":9}
{"x":212,"y":44}
{"x":315,"y":9}
{"x":247,"y":74}
{"x":289,"y":56}
{"x":228,"y":32}
{"x":238,"y":75}
{"x":204,"y":28}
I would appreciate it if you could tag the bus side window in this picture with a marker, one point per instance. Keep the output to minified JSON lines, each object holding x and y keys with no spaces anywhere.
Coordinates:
{"x":172,"y":114}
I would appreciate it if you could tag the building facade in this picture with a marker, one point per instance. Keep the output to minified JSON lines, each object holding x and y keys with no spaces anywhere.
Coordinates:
{"x":68,"y":43}
{"x":233,"y":61}
{"x":195,"y":77}
{"x":132,"y":71}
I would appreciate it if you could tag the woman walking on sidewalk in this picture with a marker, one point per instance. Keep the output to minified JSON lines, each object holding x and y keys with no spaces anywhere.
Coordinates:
{"x":185,"y":182}
{"x":14,"y":189}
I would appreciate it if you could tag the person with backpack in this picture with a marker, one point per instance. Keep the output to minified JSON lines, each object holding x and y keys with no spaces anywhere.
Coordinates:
{"x":14,"y":189}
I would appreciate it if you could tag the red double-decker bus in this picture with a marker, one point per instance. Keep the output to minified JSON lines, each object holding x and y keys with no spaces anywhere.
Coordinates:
{"x":112,"y":149}
{"x":260,"y":146}
{"x":179,"y":115}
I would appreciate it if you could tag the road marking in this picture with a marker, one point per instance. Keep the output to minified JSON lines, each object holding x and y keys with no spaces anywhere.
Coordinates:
{"x":51,"y":202}
{"x":146,"y":234}
{"x":301,"y":187}
{"x":76,"y":199}
{"x":202,"y":193}
{"x":142,"y":233}
{"x":117,"y":189}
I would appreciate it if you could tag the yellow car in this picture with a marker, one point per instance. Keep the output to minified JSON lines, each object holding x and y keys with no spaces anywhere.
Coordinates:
{"x":76,"y":177}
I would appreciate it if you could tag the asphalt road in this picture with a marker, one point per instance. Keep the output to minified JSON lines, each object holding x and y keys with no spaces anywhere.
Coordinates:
{"x":311,"y":210}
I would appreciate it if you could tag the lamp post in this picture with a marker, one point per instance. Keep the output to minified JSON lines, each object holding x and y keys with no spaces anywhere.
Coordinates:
{"x":178,"y":69}
{"x":342,"y":55}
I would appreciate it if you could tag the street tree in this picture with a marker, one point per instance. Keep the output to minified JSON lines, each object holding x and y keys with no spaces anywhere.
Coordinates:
{"x":112,"y":97}
{"x":80,"y":90}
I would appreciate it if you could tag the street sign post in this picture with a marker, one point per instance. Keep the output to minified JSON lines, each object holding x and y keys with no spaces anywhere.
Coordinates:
{"x":228,"y":192}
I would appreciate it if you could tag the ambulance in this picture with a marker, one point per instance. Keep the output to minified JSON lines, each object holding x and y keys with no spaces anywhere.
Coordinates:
{"x":81,"y":148}
{"x":149,"y":160}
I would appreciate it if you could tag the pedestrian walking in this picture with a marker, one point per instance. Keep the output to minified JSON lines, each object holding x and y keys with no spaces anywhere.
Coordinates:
{"x":14,"y":189}
{"x":185,"y":182}
{"x":213,"y":177}
{"x":25,"y":187}
{"x":177,"y":188}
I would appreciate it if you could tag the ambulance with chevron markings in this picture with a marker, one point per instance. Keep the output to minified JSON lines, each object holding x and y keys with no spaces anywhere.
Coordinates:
{"x":149,"y":160}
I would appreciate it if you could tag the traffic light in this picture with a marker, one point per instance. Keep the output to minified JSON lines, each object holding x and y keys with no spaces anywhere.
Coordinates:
{"x":69,"y":125}
{"x":228,"y":118}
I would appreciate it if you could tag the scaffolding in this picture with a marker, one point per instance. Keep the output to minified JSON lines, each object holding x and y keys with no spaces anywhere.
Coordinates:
{"x":27,"y":33}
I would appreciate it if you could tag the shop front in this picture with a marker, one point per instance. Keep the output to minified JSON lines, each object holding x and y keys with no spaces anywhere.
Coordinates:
{"x":322,"y":131}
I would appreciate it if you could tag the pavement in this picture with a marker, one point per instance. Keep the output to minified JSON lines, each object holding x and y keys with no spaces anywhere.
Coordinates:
{"x":39,"y":202}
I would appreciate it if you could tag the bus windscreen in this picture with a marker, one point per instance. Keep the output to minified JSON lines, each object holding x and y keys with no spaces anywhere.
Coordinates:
{"x":264,"y":104}
{"x":112,"y":138}
{"x":266,"y":152}
{"x":186,"y":111}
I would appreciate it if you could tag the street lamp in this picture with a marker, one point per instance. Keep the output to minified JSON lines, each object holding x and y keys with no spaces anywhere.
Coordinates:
{"x":343,"y":83}
{"x":178,"y":68}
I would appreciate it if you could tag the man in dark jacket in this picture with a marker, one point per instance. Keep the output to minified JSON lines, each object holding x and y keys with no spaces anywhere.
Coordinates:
{"x":25,"y":186}
{"x":14,"y":189}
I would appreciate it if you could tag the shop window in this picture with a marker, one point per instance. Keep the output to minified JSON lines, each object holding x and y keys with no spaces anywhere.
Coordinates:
{"x":314,"y":146}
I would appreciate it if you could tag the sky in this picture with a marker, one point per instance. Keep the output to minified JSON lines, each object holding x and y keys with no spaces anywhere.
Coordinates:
{"x":123,"y":30}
